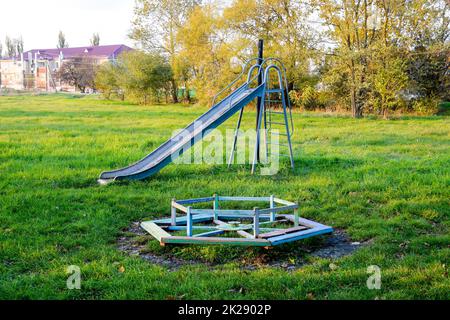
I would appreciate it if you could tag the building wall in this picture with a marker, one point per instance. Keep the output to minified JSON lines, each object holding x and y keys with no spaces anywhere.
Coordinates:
{"x":11,"y":74}
{"x":26,"y":75}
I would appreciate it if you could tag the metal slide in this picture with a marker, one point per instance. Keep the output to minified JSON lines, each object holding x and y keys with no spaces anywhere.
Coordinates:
{"x":175,"y":146}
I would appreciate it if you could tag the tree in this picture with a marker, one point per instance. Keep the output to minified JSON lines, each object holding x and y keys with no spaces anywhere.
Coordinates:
{"x":136,"y":75}
{"x":106,"y":79}
{"x":365,"y":32}
{"x":62,"y":42}
{"x":1,"y":50}
{"x":19,"y":45}
{"x":388,"y":81}
{"x":95,"y":41}
{"x":282,"y":26}
{"x":205,"y":57}
{"x":78,"y":72}
{"x":143,"y":75}
{"x":11,"y":50}
{"x":155,"y":27}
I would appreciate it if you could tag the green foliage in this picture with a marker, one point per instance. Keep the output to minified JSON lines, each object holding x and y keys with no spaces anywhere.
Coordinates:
{"x":156,"y":27}
{"x":429,"y":73}
{"x":381,"y":181}
{"x":426,"y":106}
{"x":309,"y":98}
{"x":381,"y":49}
{"x":106,"y":79}
{"x":138,"y":76}
{"x":373,"y":46}
{"x":388,"y":81}
{"x":296,"y":98}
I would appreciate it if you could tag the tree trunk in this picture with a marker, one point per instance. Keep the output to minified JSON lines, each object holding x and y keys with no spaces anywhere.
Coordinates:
{"x":353,"y":102}
{"x":188,"y":95}
{"x":174,"y":91}
{"x":385,"y":114}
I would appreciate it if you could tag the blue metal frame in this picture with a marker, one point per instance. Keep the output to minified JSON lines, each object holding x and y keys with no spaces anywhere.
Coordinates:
{"x":257,"y":235}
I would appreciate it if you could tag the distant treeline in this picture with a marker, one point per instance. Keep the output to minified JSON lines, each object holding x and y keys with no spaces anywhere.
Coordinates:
{"x":363,"y":56}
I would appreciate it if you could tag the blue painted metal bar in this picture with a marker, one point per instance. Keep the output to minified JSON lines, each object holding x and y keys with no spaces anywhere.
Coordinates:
{"x":209,"y":233}
{"x":216,"y":207}
{"x":197,"y":200}
{"x":299,"y":235}
{"x":222,"y":212}
{"x":182,"y":228}
{"x":272,"y":205}
{"x":183,"y":220}
{"x":189,"y":222}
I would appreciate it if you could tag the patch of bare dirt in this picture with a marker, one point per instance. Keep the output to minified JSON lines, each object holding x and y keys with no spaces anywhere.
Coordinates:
{"x":134,"y":242}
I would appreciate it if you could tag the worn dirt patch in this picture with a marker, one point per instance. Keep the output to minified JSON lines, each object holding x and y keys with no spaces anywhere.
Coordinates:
{"x":135,"y":242}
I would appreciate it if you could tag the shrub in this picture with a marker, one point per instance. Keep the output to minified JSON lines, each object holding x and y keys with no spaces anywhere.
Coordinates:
{"x":426,"y":106}
{"x":296,"y":98}
{"x":309,"y":98}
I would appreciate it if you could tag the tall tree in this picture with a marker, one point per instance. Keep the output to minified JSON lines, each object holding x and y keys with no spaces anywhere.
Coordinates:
{"x":10,"y":47}
{"x":155,"y":26}
{"x":95,"y":40}
{"x":282,"y":24}
{"x":62,"y":42}
{"x":19,"y":45}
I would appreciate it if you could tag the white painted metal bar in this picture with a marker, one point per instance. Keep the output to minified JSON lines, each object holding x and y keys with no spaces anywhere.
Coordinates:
{"x":173,"y":214}
{"x":283,"y":202}
{"x":154,"y":230}
{"x":256,"y":224}
{"x":296,"y":217}
{"x":244,"y":198}
{"x":279,"y":209}
{"x":179,"y":206}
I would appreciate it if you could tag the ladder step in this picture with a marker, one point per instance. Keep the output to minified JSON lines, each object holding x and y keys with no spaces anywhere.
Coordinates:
{"x":282,"y":155}
{"x":275,"y":112}
{"x":278,"y":134}
{"x":274,"y":90}
{"x":274,"y":122}
{"x":279,"y":144}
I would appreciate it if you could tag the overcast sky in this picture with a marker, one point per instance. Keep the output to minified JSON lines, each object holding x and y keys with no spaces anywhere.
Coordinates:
{"x":39,"y":21}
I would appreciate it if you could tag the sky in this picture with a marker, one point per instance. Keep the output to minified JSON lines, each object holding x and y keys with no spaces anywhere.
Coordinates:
{"x":39,"y":22}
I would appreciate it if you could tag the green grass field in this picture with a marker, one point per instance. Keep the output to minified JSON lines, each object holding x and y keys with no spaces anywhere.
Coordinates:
{"x":382,"y":181}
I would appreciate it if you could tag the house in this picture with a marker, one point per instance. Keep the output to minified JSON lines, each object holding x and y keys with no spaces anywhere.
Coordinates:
{"x":36,"y":69}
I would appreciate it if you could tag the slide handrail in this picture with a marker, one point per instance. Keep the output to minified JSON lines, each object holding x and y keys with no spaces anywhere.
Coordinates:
{"x":244,"y":67}
{"x":284,"y":75}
